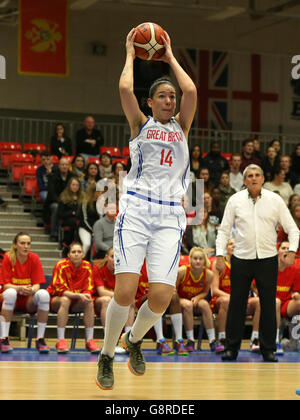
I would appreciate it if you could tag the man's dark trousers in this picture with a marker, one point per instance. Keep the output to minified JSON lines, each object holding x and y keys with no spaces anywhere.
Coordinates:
{"x":265,"y":272}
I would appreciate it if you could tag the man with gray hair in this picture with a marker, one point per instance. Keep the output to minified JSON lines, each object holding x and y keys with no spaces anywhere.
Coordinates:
{"x":255,"y":212}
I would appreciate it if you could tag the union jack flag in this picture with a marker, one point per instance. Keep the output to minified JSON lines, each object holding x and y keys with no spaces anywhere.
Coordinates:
{"x":209,"y":71}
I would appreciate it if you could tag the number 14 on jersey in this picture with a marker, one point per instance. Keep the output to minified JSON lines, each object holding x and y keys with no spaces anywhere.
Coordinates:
{"x":166,"y":158}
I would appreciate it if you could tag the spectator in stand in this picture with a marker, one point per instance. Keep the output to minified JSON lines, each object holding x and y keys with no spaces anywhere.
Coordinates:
{"x":43,"y":172}
{"x":60,"y":143}
{"x":279,"y":186}
{"x":226,"y":190}
{"x":235,"y":176}
{"x":196,"y":161}
{"x":89,"y":139}
{"x":215,"y":163}
{"x":214,"y":214}
{"x":202,"y":235}
{"x":106,"y":166}
{"x":22,"y":275}
{"x":288,"y":290}
{"x":277,"y":146}
{"x":294,"y":198}
{"x":216,"y":200}
{"x":270,"y":163}
{"x":57,"y":182}
{"x":103,"y":230}
{"x":193,"y":286}
{"x":71,"y":290}
{"x":119,"y":171}
{"x":295,"y":167}
{"x":68,"y":211}
{"x":285,"y":164}
{"x":221,"y":298}
{"x":87,"y":219}
{"x":104,"y":281}
{"x":78,"y":166}
{"x":282,"y":236}
{"x":248,"y":155}
{"x":204,"y":174}
{"x":257,"y":152}
{"x":92,"y":176}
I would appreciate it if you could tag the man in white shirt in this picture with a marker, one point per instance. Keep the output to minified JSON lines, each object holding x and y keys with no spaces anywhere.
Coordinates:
{"x":236,"y":178}
{"x":255,"y":212}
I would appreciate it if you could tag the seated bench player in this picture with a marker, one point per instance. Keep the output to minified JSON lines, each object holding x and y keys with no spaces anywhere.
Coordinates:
{"x":193,"y":286}
{"x":71,"y":291}
{"x":288,"y":290}
{"x":22,"y":274}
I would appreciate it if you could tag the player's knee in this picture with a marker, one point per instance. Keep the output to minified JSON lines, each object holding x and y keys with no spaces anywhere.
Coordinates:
{"x":65,"y":302}
{"x":9,"y":299}
{"x":42,"y":300}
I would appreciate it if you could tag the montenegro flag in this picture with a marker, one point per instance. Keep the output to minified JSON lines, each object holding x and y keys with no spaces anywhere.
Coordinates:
{"x":43,"y":37}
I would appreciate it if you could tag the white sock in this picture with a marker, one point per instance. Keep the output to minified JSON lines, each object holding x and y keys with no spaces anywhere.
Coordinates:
{"x":60,"y":334}
{"x":277,"y":336}
{"x":5,"y":329}
{"x":158,"y":327}
{"x":222,"y":335}
{"x":177,"y":325}
{"x":254,"y":335}
{"x":89,"y":333}
{"x":116,"y":317}
{"x":41,"y":327}
{"x":211,"y":335}
{"x":190,"y":335}
{"x":144,"y":321}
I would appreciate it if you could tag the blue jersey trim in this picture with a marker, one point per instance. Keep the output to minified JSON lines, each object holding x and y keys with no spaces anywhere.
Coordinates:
{"x":140,"y":129}
{"x":154,"y":200}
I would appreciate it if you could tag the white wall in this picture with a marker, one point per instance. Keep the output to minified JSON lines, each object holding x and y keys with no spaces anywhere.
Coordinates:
{"x":92,"y":86}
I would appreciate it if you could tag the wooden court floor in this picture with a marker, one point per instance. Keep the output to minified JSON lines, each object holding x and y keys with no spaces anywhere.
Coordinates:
{"x":182,"y":380}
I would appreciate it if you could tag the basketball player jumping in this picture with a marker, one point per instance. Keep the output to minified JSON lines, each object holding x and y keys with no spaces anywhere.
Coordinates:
{"x":151,"y":219}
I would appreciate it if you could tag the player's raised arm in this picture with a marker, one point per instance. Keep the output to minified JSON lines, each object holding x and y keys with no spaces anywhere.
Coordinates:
{"x":130,"y":105}
{"x":188,"y":102}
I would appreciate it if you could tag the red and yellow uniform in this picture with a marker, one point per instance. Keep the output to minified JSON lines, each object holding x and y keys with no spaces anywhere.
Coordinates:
{"x":224,"y":285}
{"x":190,"y":286}
{"x":288,"y":282}
{"x":143,"y":287}
{"x":1,"y":288}
{"x":66,"y":277}
{"x":27,"y":274}
{"x":103,"y":277}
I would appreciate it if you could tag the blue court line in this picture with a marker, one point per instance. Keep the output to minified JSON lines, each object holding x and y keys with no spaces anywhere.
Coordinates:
{"x":81,"y":355}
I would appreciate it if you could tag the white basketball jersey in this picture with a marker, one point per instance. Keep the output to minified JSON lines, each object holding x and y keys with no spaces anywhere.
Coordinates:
{"x":160,"y":162}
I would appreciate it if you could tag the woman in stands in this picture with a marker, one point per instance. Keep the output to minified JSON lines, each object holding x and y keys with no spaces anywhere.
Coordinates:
{"x":88,"y":216}
{"x":69,"y":208}
{"x":193,"y":286}
{"x":92,"y":176}
{"x":60,"y":143}
{"x":22,"y":275}
{"x":71,"y":290}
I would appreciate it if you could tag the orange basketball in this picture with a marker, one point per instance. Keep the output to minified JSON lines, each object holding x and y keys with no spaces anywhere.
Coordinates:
{"x":148,"y":43}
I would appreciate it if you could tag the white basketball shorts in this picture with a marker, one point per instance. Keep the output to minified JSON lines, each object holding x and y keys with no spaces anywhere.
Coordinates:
{"x":148,"y":230}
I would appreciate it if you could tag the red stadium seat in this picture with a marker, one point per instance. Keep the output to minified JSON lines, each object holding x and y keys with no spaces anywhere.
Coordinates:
{"x":94,"y":159}
{"x":125,"y":152}
{"x":31,"y":187}
{"x":35,"y":146}
{"x":184,"y":260}
{"x":227,"y":156}
{"x":55,"y":159}
{"x":16,"y":161}
{"x":6,"y":149}
{"x":113,"y":151}
{"x":28,"y":171}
